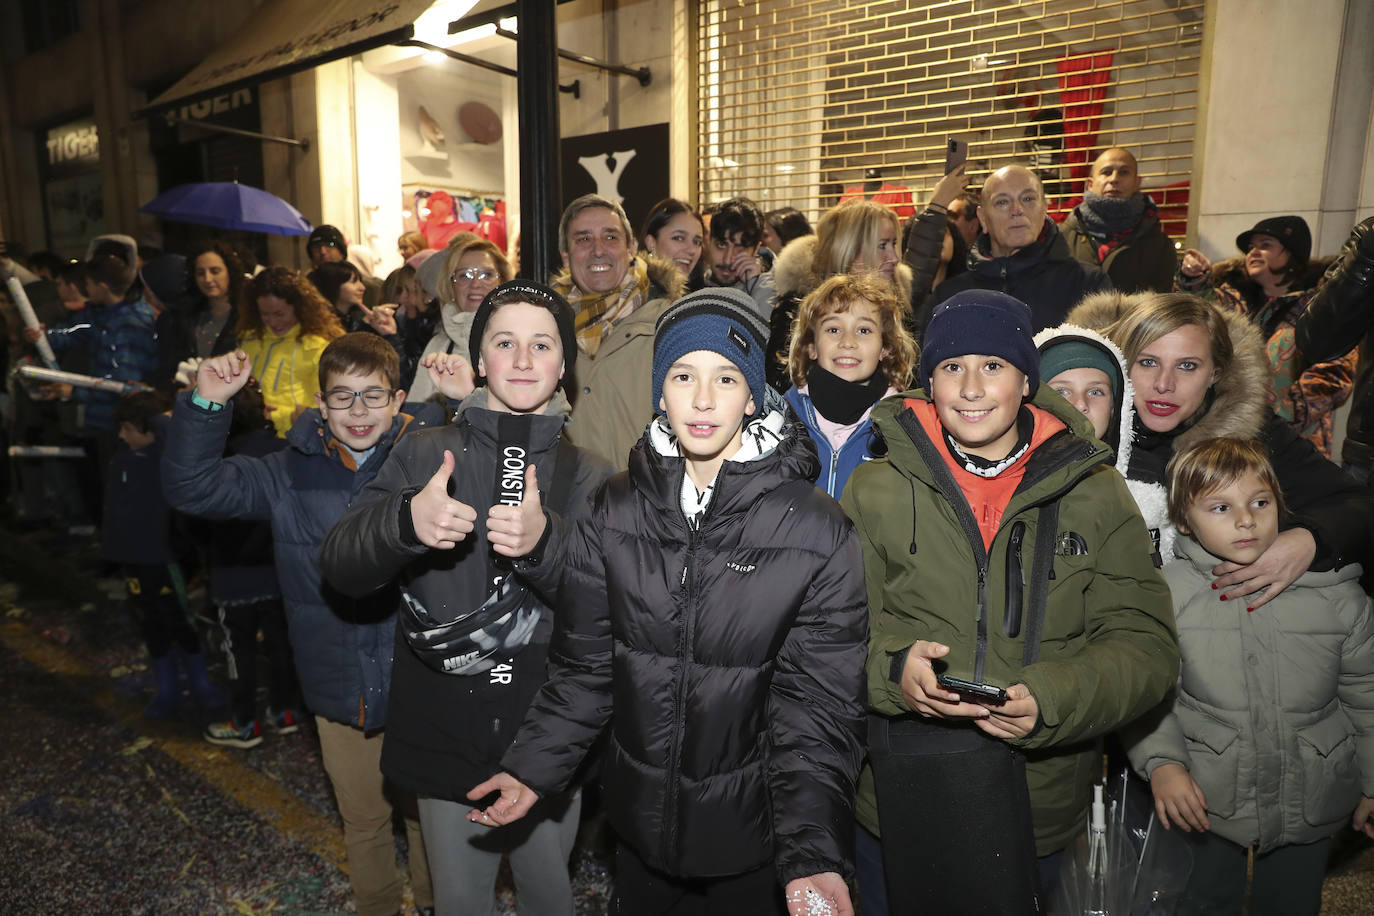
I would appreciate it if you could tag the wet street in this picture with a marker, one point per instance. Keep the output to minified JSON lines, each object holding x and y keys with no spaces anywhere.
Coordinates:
{"x":105,"y":812}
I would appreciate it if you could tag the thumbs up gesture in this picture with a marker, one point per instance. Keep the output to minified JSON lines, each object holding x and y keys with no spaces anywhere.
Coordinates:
{"x":439,"y":520}
{"x":515,"y":530}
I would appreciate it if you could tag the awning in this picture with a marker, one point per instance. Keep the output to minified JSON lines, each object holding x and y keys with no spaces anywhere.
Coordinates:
{"x":288,"y":36}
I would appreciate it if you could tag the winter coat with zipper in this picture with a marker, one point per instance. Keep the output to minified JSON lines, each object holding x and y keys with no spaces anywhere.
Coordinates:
{"x":1043,"y":274}
{"x":836,"y":463}
{"x":612,"y":394}
{"x":1150,"y":496}
{"x":1107,"y":649}
{"x":732,"y":656}
{"x":1322,"y":499}
{"x":1303,"y":394}
{"x":342,"y":646}
{"x":1144,"y":261}
{"x":1337,"y":318}
{"x":794,"y":281}
{"x":1274,"y":710}
{"x":287,"y":367}
{"x":445,"y":732}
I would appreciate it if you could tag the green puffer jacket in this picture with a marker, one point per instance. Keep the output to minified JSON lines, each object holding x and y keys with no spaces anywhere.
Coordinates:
{"x":1108,"y":651}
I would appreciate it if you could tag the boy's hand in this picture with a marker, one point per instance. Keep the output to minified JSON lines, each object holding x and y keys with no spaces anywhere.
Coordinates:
{"x":439,"y":520}
{"x":450,"y":373}
{"x":815,"y":894}
{"x":513,"y":531}
{"x":515,"y":802}
{"x":1277,"y":568}
{"x":32,"y":334}
{"x":1015,"y":718}
{"x":924,"y":695}
{"x":745,"y":265}
{"x":219,"y":378}
{"x":1364,"y":817}
{"x":1178,"y":798}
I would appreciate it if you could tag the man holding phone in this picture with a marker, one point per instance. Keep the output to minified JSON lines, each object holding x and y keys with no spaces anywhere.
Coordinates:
{"x":1021,"y":252}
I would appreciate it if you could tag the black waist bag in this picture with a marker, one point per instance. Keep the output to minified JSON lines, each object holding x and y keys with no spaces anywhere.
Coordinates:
{"x":954,"y":813}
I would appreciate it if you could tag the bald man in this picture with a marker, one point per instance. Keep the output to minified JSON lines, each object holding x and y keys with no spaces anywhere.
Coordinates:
{"x":1021,"y":252}
{"x":1116,"y":228}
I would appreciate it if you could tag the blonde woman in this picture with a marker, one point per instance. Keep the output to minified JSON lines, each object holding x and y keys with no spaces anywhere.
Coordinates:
{"x":857,"y":237}
{"x":472,"y":267}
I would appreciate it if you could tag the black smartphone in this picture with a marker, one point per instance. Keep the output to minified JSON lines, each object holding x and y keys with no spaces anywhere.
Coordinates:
{"x":971,"y":692}
{"x":956,"y":153}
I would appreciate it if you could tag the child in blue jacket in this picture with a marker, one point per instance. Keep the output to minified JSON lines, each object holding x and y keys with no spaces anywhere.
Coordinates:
{"x":849,"y":350}
{"x":342,"y":646}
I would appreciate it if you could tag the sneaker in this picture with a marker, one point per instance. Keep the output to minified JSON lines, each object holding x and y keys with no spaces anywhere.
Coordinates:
{"x":231,"y":734}
{"x":285,"y":722}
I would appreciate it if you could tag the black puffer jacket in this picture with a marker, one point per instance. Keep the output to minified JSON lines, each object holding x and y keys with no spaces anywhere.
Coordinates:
{"x":1044,"y":275}
{"x":1340,"y":316}
{"x":733,"y":659}
{"x":446,"y":732}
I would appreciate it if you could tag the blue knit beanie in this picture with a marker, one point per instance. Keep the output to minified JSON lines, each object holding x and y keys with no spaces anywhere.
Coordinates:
{"x":721,"y":320}
{"x":985,"y":322}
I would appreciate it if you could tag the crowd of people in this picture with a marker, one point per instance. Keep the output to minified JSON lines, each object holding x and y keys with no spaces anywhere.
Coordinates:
{"x":836,"y":555}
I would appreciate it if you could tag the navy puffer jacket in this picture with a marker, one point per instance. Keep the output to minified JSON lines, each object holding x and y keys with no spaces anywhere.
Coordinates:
{"x":342,"y":645}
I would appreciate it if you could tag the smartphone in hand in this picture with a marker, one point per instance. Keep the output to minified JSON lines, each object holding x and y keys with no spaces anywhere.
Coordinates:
{"x":970,"y":692}
{"x":956,"y":153}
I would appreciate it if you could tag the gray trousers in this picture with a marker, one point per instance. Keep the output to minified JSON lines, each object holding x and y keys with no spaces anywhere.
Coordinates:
{"x":465,"y":857}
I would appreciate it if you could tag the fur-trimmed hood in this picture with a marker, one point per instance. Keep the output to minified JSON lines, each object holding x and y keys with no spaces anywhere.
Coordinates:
{"x":1232,"y":271}
{"x":665,"y":280}
{"x":1238,"y":408}
{"x":792,"y":274}
{"x":1151,"y":498}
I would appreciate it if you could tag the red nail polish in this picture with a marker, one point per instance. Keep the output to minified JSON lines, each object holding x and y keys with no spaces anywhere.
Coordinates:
{"x":1214,"y":585}
{"x":1250,"y":610}
{"x":1224,"y":598}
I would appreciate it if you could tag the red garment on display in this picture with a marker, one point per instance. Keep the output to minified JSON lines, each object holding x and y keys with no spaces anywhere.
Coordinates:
{"x":1082,"y":87}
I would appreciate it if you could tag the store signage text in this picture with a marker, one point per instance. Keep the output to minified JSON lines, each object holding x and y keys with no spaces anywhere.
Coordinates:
{"x":73,"y":143}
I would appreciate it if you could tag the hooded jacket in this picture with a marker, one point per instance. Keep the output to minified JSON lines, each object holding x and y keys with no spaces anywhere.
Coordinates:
{"x":1303,"y":394}
{"x":794,"y":281}
{"x":451,"y":336}
{"x":1338,"y":512}
{"x":1107,"y":649}
{"x":731,"y":653}
{"x":1144,"y":261}
{"x":1150,"y":496}
{"x":1338,"y":317}
{"x":342,"y":646}
{"x":445,"y":732}
{"x":611,"y":392}
{"x":1044,"y":275}
{"x":287,"y":367}
{"x":1274,"y":710}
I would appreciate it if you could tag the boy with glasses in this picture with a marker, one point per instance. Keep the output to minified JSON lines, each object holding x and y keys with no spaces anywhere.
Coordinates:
{"x":342,"y":646}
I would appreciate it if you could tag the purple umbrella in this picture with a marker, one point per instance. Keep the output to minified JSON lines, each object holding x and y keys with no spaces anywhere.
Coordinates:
{"x":228,"y":205}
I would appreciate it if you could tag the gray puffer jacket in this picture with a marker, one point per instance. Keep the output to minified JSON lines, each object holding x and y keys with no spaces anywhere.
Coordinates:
{"x":1274,"y":710}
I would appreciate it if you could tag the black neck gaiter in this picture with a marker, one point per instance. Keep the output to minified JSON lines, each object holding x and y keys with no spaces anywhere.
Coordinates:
{"x":841,"y":401}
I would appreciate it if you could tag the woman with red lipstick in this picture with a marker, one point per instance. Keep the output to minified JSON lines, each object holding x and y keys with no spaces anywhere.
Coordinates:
{"x":1200,"y":372}
{"x":1271,"y":285}
{"x":472,"y":267}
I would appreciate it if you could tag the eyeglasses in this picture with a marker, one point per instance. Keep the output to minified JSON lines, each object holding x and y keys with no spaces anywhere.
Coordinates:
{"x":342,"y":398}
{"x":473,"y":273}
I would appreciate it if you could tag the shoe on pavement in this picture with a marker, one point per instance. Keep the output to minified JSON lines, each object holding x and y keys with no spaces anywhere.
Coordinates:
{"x":231,"y":734}
{"x":286,"y":722}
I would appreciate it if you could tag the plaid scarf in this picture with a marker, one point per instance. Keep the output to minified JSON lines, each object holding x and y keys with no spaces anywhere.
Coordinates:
{"x":593,"y":314}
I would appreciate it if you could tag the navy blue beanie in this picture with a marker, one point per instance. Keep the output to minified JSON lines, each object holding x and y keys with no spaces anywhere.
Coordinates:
{"x":721,"y":320}
{"x":985,"y":322}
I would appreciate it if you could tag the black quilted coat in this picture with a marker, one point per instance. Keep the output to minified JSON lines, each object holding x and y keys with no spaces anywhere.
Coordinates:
{"x":728,"y":662}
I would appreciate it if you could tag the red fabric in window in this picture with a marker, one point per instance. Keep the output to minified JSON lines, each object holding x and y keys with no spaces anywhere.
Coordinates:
{"x":1082,"y":87}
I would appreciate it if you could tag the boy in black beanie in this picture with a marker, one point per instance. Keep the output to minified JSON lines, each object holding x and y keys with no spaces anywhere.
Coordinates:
{"x":1000,"y":550}
{"x":713,"y":601}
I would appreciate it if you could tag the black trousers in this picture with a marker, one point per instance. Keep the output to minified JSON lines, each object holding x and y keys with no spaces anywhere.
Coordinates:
{"x":156,"y":593}
{"x":1287,"y":880}
{"x":642,"y":891}
{"x":954,"y":813}
{"x":239,"y":626}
